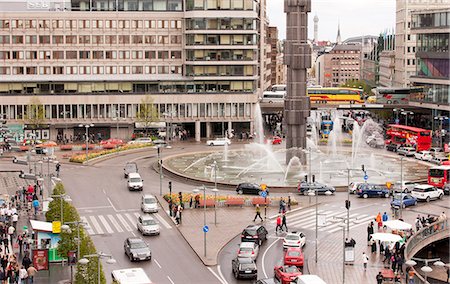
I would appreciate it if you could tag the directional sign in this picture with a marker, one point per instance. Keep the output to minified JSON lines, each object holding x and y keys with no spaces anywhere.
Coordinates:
{"x":263,"y":186}
{"x":205,"y":229}
{"x":263,"y":193}
{"x":366,"y":177}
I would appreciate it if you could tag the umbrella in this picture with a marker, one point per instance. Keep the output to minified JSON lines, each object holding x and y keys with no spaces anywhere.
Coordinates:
{"x":386,"y":237}
{"x":397,"y":225}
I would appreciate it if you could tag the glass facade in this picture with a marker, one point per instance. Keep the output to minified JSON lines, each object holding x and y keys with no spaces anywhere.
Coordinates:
{"x":433,"y":93}
{"x":430,"y":20}
{"x":435,"y":42}
{"x":220,"y":5}
{"x":127,"y":5}
{"x":433,"y":68}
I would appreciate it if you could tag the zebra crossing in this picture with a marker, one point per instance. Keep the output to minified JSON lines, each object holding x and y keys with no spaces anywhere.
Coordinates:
{"x":306,"y":219}
{"x":117,"y":223}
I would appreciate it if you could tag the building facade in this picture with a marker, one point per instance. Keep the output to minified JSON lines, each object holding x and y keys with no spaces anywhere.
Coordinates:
{"x":201,"y":63}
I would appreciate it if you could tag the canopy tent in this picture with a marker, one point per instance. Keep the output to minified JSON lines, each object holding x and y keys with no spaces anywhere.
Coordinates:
{"x":386,"y":237}
{"x":397,"y":225}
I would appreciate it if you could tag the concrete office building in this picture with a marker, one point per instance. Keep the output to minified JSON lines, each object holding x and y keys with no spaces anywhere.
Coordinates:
{"x":202,"y":63}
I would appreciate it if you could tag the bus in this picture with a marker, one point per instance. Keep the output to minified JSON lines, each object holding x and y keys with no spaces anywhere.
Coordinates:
{"x":439,"y":176}
{"x":396,"y":95}
{"x":326,"y":125}
{"x":409,"y":136}
{"x":317,"y":95}
{"x":275,"y":94}
{"x":130,"y":276}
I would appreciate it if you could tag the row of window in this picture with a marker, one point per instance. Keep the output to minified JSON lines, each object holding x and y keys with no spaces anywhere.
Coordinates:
{"x":227,"y":70}
{"x":213,"y":54}
{"x":337,"y":62}
{"x":88,"y":55}
{"x":221,"y":24}
{"x":88,"y":24}
{"x":433,"y":42}
{"x":128,"y":87}
{"x":431,"y":20}
{"x":87,"y":70}
{"x":206,"y":39}
{"x":90,"y":39}
{"x":346,"y":69}
{"x":127,"y":5}
{"x":247,"y":5}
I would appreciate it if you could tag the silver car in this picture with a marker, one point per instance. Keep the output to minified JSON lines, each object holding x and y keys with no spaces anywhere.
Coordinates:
{"x":248,"y":249}
{"x":136,"y":249}
{"x":147,"y":225}
{"x":149,"y":204}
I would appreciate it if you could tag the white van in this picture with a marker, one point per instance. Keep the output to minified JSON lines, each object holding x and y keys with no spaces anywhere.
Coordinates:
{"x":130,"y":276}
{"x":135,"y":182}
{"x":309,"y":279}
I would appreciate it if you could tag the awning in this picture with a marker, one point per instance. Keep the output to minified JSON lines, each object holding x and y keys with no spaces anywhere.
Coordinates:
{"x":386,"y":237}
{"x":397,"y":225}
{"x":152,"y":125}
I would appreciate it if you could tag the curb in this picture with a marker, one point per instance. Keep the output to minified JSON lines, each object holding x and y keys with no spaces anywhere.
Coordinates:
{"x":93,"y":161}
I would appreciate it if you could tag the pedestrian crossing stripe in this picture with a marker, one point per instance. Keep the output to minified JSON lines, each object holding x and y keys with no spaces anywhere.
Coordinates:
{"x":117,"y":223}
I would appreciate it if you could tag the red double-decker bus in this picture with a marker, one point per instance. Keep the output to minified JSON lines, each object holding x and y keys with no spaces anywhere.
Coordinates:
{"x":439,"y":176}
{"x":409,"y":136}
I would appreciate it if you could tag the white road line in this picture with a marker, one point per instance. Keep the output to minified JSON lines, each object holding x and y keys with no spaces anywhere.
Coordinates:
{"x":328,"y":215}
{"x":115,"y":224}
{"x":94,"y":207}
{"x":221,"y":275}
{"x":136,"y":214}
{"x":310,"y":218}
{"x":171,"y":281}
{"x":217,"y":276}
{"x":337,"y":224}
{"x":161,"y":219}
{"x":105,"y":224}
{"x":157,"y":263}
{"x":133,"y":234}
{"x":132,"y":220}
{"x":124,"y":223}
{"x":264,"y":256}
{"x":110,"y":202}
{"x":291,"y":213}
{"x":96,"y":225}
{"x":89,"y":228}
{"x":353,"y":226}
{"x":300,"y":213}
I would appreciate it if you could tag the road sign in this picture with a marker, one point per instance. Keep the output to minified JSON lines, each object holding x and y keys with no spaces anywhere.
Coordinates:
{"x":366,"y":177}
{"x":263,"y":193}
{"x":263,"y":186}
{"x":388,"y":184}
{"x":205,"y":229}
{"x":56,"y":227}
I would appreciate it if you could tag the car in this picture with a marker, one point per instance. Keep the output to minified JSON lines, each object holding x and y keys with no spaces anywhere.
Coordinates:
{"x":218,"y":142}
{"x":408,"y":200}
{"x":366,"y":190}
{"x":130,"y":275}
{"x":446,"y":189}
{"x":321,"y":188}
{"x":285,"y":273}
{"x":377,"y":142}
{"x":353,"y":186}
{"x":427,"y":192}
{"x":276,"y":140}
{"x":423,"y":155}
{"x":244,"y":268}
{"x":406,"y":186}
{"x":136,"y":249}
{"x":135,"y":182}
{"x":141,"y":140}
{"x":294,"y":256}
{"x":436,"y":151}
{"x":146,"y":225}
{"x":406,"y":151}
{"x":392,"y":147}
{"x":248,"y":249}
{"x":254,"y":233}
{"x":439,"y":160}
{"x":266,"y":281}
{"x":130,"y":167}
{"x":294,"y":239}
{"x":149,"y":204}
{"x":249,"y":188}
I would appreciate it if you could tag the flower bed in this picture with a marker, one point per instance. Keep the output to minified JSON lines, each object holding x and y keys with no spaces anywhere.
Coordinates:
{"x":187,"y":198}
{"x":81,"y":157}
{"x":67,"y":147}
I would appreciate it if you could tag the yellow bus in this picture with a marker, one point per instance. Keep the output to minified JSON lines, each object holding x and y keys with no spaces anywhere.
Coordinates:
{"x":336,"y":95}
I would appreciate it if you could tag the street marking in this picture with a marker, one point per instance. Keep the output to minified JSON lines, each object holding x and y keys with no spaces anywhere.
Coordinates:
{"x":161,"y":219}
{"x":334,"y":225}
{"x":115,"y":224}
{"x":290,"y":213}
{"x":89,"y":228}
{"x":217,"y":276}
{"x":170,"y":279}
{"x":133,"y":221}
{"x":112,"y":205}
{"x":264,"y":256}
{"x":96,"y":225}
{"x":157,"y":263}
{"x":353,"y":226}
{"x":105,"y":224}
{"x":136,"y":214}
{"x":94,"y":207}
{"x":124,"y":223}
{"x":133,"y":234}
{"x":221,"y":275}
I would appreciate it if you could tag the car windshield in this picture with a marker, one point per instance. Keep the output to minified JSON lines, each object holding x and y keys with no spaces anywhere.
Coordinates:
{"x":135,"y":180}
{"x":130,"y":167}
{"x":397,"y":196}
{"x":138,"y":245}
{"x":291,"y":269}
{"x":245,"y":249}
{"x":294,"y":253}
{"x":250,"y":232}
{"x":148,"y":222}
{"x":149,"y":200}
{"x":292,"y":237}
{"x":245,"y":266}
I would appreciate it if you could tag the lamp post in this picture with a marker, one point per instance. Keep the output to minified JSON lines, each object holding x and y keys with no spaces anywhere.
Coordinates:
{"x":215,"y":190}
{"x":160,"y":168}
{"x":406,"y":113}
{"x":61,"y":196}
{"x":87,"y":126}
{"x":348,"y":197}
{"x":441,"y":119}
{"x":401,"y":187}
{"x":99,"y":255}
{"x":343,"y":252}
{"x":66,"y":228}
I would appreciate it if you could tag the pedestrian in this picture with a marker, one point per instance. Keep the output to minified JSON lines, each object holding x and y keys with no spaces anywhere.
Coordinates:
{"x":385,"y":217}
{"x":197,"y":200}
{"x":26,"y":261}
{"x":369,"y":232}
{"x":190,"y":202}
{"x":373,"y":246}
{"x":379,"y":278}
{"x":411,"y":275}
{"x":23,"y":275}
{"x":258,"y":213}
{"x":289,"y":203}
{"x":278,"y":224}
{"x":393,"y":262}
{"x":170,"y":207}
{"x":379,"y":221}
{"x":177,"y":217}
{"x":365,"y":260}
{"x":400,"y":261}
{"x":281,"y":205}
{"x":283,"y":223}
{"x":352,"y":242}
{"x":180,"y":211}
{"x":31,"y":273}
{"x":20,"y":242}
{"x":35,"y":206}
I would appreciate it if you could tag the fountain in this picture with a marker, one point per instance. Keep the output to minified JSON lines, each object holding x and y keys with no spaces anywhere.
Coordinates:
{"x":259,"y":127}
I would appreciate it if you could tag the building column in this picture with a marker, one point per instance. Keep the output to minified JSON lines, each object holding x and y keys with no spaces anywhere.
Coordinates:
{"x":197,"y":131}
{"x":208,"y":129}
{"x":252,"y":127}
{"x":229,"y":128}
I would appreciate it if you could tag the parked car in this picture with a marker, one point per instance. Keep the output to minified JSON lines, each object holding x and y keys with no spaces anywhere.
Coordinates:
{"x":294,"y":239}
{"x":392,"y":147}
{"x":285,"y":274}
{"x":149,"y":204}
{"x":366,"y":190}
{"x":244,"y":268}
{"x":408,"y":200}
{"x":446,"y":189}
{"x":141,"y":140}
{"x":218,"y":142}
{"x":248,"y":249}
{"x":436,"y":151}
{"x":254,"y":233}
{"x":406,"y":186}
{"x":439,"y":160}
{"x":135,"y":182}
{"x":294,"y":256}
{"x":427,"y":192}
{"x":136,"y":249}
{"x":406,"y":151}
{"x":377,"y":142}
{"x":130,"y":167}
{"x":423,"y":155}
{"x":249,"y":188}
{"x":147,"y":225}
{"x":321,"y":188}
{"x":353,"y":186}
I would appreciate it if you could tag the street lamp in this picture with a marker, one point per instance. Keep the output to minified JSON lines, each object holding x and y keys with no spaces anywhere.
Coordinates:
{"x":86,"y":126}
{"x":441,"y":119}
{"x":66,"y":228}
{"x":347,"y":202}
{"x":100,"y":255}
{"x":61,"y":196}
{"x":396,"y":111}
{"x":401,"y":187}
{"x":166,"y":114}
{"x":406,"y":113}
{"x":215,"y":190}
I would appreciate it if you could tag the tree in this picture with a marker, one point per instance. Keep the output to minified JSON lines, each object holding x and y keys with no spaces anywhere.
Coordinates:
{"x":358,"y":85}
{"x":147,"y":113}
{"x":70,"y":213}
{"x":35,"y":114}
{"x":87,"y":273}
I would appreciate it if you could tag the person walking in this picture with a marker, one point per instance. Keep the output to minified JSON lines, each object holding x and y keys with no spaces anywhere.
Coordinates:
{"x":258,"y":213}
{"x":57,"y":168}
{"x":278,"y":224}
{"x":365,"y":260}
{"x":373,"y":246}
{"x":385,"y":217}
{"x":283,"y":223}
{"x":379,"y":278}
{"x":289,"y":203}
{"x":35,"y":206}
{"x":369,"y":232}
{"x":26,"y":261}
{"x":23,"y":275}
{"x":31,"y":273}
{"x":379,"y":221}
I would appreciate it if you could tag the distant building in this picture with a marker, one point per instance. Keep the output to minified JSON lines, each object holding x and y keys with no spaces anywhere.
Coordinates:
{"x":316,"y":28}
{"x":338,"y":37}
{"x":387,"y":62}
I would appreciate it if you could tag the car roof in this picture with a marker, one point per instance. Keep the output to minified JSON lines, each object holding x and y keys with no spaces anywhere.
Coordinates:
{"x":131,"y":163}
{"x":132,"y":175}
{"x":247,"y":245}
{"x":423,"y":186}
{"x":146,"y":217}
{"x":135,"y":240}
{"x":148,"y":196}
{"x":253,"y":227}
{"x":245,"y":260}
{"x":294,"y":249}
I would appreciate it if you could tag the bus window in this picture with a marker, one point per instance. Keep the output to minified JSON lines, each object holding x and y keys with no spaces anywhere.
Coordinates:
{"x":424,"y":133}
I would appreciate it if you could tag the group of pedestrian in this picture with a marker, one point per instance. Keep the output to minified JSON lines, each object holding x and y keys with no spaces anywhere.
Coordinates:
{"x":281,"y":223}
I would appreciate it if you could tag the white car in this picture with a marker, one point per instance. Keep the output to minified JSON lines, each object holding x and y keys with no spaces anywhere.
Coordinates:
{"x":218,"y":142}
{"x":408,"y":186}
{"x":149,"y":204}
{"x":248,"y":250}
{"x":423,"y":155}
{"x":406,"y":151}
{"x":427,"y":192}
{"x":294,"y":240}
{"x":436,"y":151}
{"x":353,"y":186}
{"x":147,"y":225}
{"x":135,"y":182}
{"x":141,"y":140}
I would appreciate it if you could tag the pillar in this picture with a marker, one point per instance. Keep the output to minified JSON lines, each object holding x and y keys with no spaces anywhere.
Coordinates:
{"x":197,"y":131}
{"x":208,"y":129}
{"x":229,"y":128}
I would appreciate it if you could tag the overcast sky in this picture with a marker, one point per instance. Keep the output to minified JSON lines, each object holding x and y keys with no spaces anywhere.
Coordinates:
{"x":356,"y":17}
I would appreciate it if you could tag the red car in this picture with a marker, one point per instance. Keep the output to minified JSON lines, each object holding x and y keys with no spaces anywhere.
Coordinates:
{"x":293,"y":256}
{"x":276,"y":140}
{"x":285,"y":274}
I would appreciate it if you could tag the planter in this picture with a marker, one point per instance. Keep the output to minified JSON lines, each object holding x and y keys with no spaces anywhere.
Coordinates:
{"x":24,"y":148}
{"x":108,"y":146}
{"x":66,"y":147}
{"x":91,"y":147}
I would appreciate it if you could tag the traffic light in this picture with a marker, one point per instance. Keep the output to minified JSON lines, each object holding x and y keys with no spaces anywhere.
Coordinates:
{"x":362,"y":168}
{"x":313,"y":178}
{"x":22,"y":174}
{"x":306,"y":178}
{"x":347,"y":204}
{"x":170,"y":188}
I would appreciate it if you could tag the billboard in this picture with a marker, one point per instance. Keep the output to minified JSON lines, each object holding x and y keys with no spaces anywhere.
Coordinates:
{"x":40,"y":259}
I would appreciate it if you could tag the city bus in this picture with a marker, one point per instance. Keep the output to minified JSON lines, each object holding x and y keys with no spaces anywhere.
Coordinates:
{"x":439,"y":176}
{"x":396,"y":95}
{"x":318,"y":95}
{"x":276,"y":94}
{"x":409,"y":136}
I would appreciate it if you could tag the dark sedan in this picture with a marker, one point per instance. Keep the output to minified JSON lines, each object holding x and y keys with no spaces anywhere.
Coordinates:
{"x":446,"y":189}
{"x":244,"y":268}
{"x":320,"y":188}
{"x":249,"y":188}
{"x":392,"y":147}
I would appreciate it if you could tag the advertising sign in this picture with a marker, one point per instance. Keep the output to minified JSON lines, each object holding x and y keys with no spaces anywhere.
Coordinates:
{"x":40,"y":259}
{"x":56,"y":227}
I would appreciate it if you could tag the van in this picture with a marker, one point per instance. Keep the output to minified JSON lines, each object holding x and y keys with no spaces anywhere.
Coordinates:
{"x":130,"y":276}
{"x":135,"y":182}
{"x":309,"y":279}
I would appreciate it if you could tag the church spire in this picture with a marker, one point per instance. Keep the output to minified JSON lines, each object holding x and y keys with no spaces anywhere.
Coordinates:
{"x":338,"y":38}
